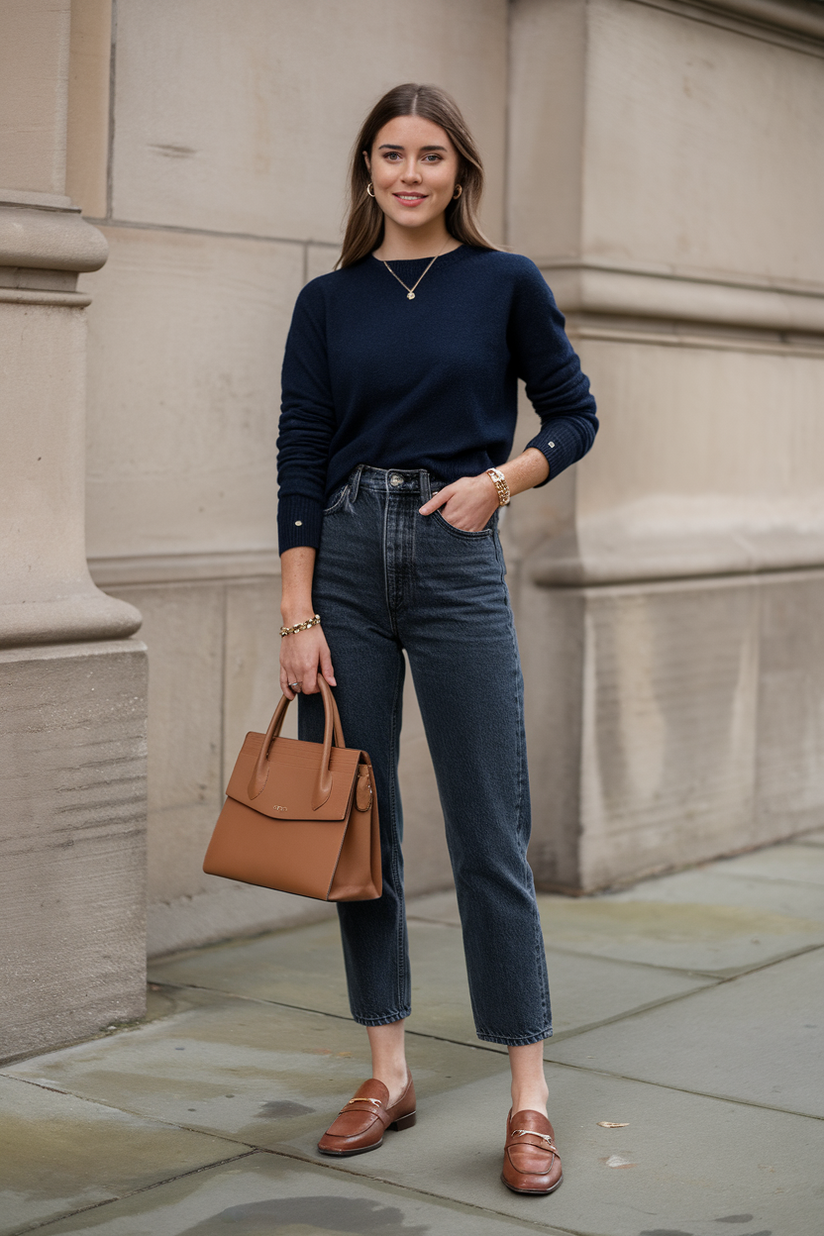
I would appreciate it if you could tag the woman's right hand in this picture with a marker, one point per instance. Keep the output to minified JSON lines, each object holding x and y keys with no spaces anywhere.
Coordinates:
{"x":303,"y":656}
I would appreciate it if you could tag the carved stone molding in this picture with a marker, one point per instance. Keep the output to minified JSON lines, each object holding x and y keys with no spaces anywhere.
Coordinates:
{"x":800,"y":16}
{"x":588,"y":288}
{"x":48,"y":237}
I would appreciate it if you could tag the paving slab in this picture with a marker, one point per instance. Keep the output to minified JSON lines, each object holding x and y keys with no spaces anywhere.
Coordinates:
{"x":757,"y":1038}
{"x":252,"y":1072}
{"x":269,"y":1195}
{"x":683,"y":1163}
{"x":720,"y":939}
{"x":304,"y":969}
{"x":801,"y":863}
{"x":712,"y":885}
{"x":59,"y":1153}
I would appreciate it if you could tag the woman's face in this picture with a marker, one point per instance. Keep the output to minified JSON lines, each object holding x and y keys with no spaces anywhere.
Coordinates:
{"x":413,"y":166}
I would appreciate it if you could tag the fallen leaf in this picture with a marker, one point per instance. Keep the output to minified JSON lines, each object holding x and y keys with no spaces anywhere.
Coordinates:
{"x":611,"y":1124}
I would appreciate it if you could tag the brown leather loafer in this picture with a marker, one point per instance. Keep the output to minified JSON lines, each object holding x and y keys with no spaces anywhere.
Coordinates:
{"x":531,"y":1161}
{"x":366,"y":1117}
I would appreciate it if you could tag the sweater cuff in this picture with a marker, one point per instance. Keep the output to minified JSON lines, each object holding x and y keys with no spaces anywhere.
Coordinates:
{"x":299,"y":521}
{"x":561,"y":446}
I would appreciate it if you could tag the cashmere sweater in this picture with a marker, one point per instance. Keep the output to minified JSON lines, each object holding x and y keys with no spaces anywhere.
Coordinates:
{"x":371,"y":377}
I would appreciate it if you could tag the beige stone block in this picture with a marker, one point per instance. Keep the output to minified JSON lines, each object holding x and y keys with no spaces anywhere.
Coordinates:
{"x":184,"y":631}
{"x":642,"y":714}
{"x":186,"y":338}
{"x":706,"y":462}
{"x":73,"y":841}
{"x":547,"y":113}
{"x":226,"y":910}
{"x":790,"y":782}
{"x":320,"y":260}
{"x":670,"y":687}
{"x":245,"y":124}
{"x":34,"y":65}
{"x":702,"y":151}
{"x":87,"y":141}
{"x":647,"y":137}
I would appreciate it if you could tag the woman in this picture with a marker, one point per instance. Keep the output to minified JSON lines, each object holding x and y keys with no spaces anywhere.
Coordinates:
{"x":399,"y":407}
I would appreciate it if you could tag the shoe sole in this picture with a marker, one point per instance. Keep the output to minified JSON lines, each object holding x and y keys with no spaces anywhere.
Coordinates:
{"x":345,"y":1154}
{"x":534,"y":1192}
{"x":403,"y":1122}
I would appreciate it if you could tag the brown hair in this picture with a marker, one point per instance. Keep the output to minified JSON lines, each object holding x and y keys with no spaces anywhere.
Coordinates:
{"x":364,"y":227}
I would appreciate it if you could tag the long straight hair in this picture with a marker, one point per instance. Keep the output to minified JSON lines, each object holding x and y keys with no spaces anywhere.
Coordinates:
{"x":364,"y":227}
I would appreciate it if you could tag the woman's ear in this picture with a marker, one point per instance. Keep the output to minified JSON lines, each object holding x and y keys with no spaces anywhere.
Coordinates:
{"x":366,"y":161}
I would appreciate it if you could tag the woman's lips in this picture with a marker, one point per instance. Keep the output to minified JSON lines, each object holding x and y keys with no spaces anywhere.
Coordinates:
{"x":409,"y":199}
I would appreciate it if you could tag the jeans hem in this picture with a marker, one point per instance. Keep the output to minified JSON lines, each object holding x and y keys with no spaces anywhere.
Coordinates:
{"x":381,"y":1021}
{"x":523,"y":1041}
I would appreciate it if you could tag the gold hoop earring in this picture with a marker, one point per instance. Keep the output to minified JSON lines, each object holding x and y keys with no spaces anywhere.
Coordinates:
{"x":370,"y":190}
{"x":457,"y":193}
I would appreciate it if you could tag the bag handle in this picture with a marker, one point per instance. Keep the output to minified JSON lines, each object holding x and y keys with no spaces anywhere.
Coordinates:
{"x":332,"y":728}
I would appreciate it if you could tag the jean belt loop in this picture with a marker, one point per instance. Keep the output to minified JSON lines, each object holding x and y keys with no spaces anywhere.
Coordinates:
{"x":426,"y":488}
{"x":354,"y":482}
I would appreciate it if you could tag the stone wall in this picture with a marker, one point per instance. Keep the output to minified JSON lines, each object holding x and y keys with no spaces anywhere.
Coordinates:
{"x":668,"y":590}
{"x":661,"y":163}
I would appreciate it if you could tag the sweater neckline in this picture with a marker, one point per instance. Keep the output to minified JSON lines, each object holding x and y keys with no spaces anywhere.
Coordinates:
{"x":442,"y":258}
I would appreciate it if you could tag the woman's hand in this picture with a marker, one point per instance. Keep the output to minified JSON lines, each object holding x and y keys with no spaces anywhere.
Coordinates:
{"x":304,"y":654}
{"x":302,"y":657}
{"x":467,"y":504}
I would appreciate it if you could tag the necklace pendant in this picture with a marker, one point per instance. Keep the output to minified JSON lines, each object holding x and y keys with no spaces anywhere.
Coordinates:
{"x":410,"y":295}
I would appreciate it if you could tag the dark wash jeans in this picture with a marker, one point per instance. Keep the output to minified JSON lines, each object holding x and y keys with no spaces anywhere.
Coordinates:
{"x":387,"y":579}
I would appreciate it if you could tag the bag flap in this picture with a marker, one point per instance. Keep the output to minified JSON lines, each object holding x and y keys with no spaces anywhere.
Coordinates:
{"x":292,"y":777}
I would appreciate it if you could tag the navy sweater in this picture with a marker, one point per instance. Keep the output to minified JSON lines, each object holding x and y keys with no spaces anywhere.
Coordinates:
{"x":372,"y":377}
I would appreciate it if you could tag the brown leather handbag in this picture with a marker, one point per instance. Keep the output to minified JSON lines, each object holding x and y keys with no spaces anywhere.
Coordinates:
{"x":301,"y":817}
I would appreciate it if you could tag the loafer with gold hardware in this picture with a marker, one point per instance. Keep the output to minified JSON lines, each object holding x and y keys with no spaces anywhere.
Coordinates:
{"x":361,"y":1124}
{"x":531,"y":1160}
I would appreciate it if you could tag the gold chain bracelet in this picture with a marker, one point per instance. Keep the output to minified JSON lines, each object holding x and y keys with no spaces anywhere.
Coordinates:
{"x":500,"y":483}
{"x":300,"y":626}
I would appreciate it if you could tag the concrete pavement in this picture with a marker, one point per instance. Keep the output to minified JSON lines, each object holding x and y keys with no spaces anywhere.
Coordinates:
{"x":689,"y":1010}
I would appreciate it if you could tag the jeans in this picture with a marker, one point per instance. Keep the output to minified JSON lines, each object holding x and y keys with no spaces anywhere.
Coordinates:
{"x":388,"y":579}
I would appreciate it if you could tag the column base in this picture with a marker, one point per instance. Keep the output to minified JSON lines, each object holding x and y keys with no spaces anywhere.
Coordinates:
{"x":671,"y":723}
{"x":73,"y":842}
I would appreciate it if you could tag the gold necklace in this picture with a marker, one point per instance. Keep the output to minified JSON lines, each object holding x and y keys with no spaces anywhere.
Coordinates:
{"x":410,"y":291}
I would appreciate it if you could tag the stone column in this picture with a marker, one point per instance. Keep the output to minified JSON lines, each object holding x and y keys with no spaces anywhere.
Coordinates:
{"x":665,"y":175}
{"x":72,"y":681}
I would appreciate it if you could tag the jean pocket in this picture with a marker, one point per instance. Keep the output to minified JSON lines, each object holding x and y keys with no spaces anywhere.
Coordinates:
{"x":338,"y":500}
{"x":464,"y":534}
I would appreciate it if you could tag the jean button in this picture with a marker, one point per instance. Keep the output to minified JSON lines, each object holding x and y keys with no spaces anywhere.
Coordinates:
{"x":395,"y":479}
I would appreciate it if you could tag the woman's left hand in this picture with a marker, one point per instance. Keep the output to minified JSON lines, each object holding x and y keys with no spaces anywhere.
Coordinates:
{"x":467,"y":504}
